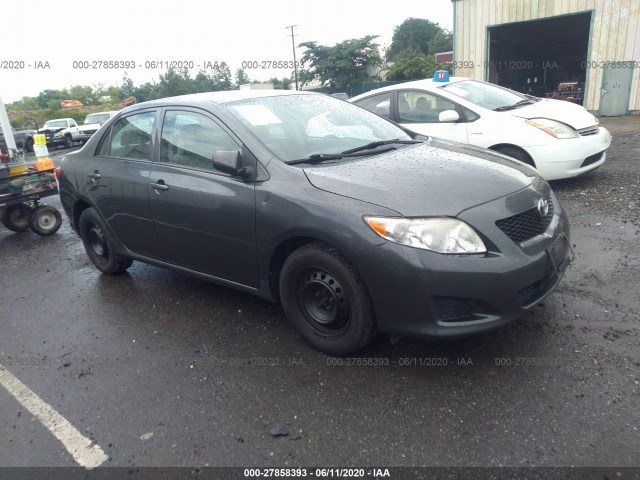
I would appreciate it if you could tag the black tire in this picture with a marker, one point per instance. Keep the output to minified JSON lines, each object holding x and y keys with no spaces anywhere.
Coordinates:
{"x":315,"y":279}
{"x":45,"y":220}
{"x":517,"y":153}
{"x":99,"y":244}
{"x":68,"y":141}
{"x":28,"y":145}
{"x":16,"y":217}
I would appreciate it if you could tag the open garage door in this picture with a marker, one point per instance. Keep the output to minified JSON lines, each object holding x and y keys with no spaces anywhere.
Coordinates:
{"x":536,"y":56}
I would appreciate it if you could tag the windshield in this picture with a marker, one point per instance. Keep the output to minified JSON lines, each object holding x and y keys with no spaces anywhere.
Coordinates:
{"x":297,"y":126}
{"x":96,"y":118}
{"x":485,"y":94}
{"x":56,"y":124}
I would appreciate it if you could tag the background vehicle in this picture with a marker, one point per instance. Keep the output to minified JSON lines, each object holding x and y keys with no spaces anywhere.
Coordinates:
{"x":353,"y":224}
{"x":92,"y":123}
{"x":61,"y":131}
{"x":559,"y":139}
{"x":23,"y":139}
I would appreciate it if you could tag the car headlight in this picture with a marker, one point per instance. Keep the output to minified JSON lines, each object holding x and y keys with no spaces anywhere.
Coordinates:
{"x":553,"y":128}
{"x":58,"y":134}
{"x":441,"y":235}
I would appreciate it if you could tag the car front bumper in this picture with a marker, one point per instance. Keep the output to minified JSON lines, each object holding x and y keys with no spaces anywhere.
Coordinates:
{"x":418,"y":293}
{"x":567,"y":158}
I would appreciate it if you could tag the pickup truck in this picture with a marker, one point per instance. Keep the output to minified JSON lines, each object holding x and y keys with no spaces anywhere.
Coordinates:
{"x":23,"y":139}
{"x":61,"y":131}
{"x":93,"y":122}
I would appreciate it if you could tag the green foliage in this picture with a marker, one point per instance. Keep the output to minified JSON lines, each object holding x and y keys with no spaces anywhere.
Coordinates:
{"x":342,"y":65}
{"x":175,"y":82}
{"x":412,"y":65}
{"x":413,"y":34}
{"x":241,"y":78}
{"x":441,"y":42}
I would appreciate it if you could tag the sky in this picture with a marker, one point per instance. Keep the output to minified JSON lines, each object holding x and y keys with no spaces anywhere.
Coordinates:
{"x":143,"y":31}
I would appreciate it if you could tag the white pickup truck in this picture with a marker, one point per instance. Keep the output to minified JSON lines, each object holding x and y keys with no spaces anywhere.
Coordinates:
{"x":93,"y":122}
{"x":61,"y":131}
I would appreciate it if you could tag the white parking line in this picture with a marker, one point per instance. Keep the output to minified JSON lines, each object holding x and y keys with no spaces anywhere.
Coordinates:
{"x":82,"y":450}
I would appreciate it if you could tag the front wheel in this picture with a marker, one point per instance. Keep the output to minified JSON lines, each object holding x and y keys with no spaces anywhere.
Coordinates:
{"x":68,"y":141}
{"x":517,"y":153}
{"x":326,"y":301}
{"x":45,"y":220}
{"x":99,"y":244}
{"x":16,"y":217}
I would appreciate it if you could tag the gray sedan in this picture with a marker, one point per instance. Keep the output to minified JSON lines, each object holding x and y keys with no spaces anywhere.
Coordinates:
{"x":354,"y":224}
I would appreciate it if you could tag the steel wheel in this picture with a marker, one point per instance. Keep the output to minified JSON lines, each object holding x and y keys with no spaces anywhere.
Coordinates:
{"x":99,"y":244}
{"x":16,"y":217}
{"x":325,"y":300}
{"x":45,"y":220}
{"x":323,"y":303}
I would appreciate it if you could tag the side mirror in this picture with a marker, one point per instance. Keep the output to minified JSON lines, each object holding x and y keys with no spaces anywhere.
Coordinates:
{"x":448,"y":116}
{"x":228,"y":161}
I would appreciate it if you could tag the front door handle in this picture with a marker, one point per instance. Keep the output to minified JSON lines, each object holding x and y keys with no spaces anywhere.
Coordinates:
{"x":159,"y":185}
{"x":94,"y":176}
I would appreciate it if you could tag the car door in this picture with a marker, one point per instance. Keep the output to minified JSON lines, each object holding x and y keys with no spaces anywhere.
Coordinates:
{"x":420,"y":111}
{"x":205,"y":219}
{"x":117,"y":181}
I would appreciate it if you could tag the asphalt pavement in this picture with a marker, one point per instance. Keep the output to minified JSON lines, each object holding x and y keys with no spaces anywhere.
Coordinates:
{"x":155,"y":368}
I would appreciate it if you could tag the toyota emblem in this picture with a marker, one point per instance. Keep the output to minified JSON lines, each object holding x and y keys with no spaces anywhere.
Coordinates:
{"x":543,"y":207}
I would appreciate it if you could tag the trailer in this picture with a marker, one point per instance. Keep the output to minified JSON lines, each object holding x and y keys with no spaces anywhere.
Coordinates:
{"x":21,"y":192}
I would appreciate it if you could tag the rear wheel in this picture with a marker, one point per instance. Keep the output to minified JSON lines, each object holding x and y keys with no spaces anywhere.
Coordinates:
{"x":325,"y":300}
{"x":45,"y":220}
{"x":16,"y":217}
{"x":99,"y":244}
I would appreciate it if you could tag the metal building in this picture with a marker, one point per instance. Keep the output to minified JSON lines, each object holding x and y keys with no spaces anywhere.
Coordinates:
{"x":532,"y":46}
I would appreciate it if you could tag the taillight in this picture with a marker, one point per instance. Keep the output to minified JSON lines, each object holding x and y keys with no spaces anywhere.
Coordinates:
{"x":57,"y":170}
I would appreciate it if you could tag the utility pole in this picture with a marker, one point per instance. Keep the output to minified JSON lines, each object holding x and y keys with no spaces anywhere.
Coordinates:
{"x":293,"y":45}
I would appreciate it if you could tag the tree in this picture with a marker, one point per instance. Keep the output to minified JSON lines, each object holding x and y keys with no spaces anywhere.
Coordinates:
{"x":241,"y":78}
{"x":412,"y":34}
{"x":342,"y":65}
{"x":175,"y":82}
{"x":222,"y":77}
{"x":412,"y":64}
{"x":441,"y":42}
{"x":127,"y":89}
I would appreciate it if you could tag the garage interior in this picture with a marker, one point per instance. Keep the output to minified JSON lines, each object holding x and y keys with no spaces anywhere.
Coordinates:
{"x":535,"y":56}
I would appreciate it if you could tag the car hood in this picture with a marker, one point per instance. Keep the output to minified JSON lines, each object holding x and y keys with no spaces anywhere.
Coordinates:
{"x":435,"y":178}
{"x":560,"y":110}
{"x":50,"y":130}
{"x":89,"y":126}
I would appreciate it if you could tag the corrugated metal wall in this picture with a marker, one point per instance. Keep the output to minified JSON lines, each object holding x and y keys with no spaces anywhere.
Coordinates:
{"x":615,"y":34}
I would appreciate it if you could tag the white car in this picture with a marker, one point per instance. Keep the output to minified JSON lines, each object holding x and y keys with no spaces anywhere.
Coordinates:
{"x":93,"y":122}
{"x":560,"y":139}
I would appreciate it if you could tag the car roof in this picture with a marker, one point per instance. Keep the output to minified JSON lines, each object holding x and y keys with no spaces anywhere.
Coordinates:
{"x":425,"y":84}
{"x":217,"y":97}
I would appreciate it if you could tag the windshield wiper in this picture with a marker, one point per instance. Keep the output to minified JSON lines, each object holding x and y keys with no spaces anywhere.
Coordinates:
{"x":317,"y":158}
{"x":521,"y":103}
{"x":380,"y":143}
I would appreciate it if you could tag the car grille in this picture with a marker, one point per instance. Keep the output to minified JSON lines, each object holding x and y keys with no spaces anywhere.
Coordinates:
{"x":526,"y":225}
{"x":452,"y":309}
{"x":592,"y":159}
{"x":585,"y":132}
{"x":537,"y":290}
